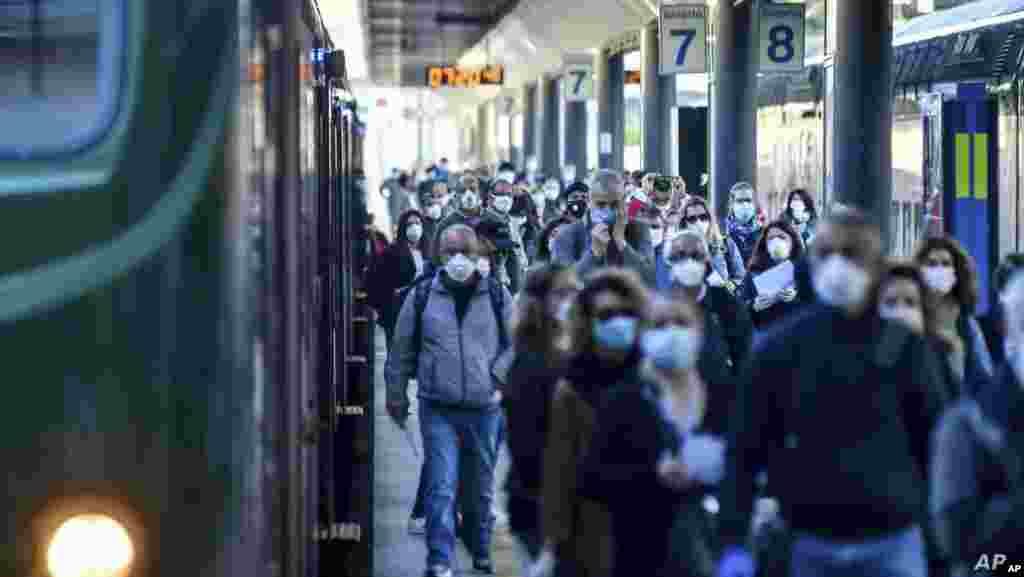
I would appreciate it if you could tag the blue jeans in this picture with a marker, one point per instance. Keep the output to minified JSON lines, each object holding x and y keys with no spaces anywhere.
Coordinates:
{"x":900,"y":554}
{"x":476,"y":457}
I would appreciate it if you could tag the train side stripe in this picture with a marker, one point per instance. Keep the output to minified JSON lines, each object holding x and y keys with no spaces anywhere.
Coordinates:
{"x":981,"y":166}
{"x":962,"y":152}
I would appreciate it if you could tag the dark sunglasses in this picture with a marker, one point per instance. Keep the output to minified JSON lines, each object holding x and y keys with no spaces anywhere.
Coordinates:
{"x":698,"y":218}
{"x":612,"y":313}
{"x":683,"y":255}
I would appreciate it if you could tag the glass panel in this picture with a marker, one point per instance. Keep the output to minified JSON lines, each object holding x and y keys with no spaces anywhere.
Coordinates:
{"x":561,"y":124}
{"x":1008,"y":169}
{"x":517,"y":131}
{"x":504,"y":138}
{"x":909,"y":164}
{"x":58,"y":70}
{"x":825,"y":200}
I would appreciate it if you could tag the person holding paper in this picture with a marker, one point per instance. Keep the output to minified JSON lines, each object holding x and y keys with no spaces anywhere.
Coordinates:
{"x":770,"y":288}
{"x":645,"y":462}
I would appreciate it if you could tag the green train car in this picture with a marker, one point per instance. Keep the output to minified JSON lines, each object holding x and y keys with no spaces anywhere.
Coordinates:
{"x":181,"y":196}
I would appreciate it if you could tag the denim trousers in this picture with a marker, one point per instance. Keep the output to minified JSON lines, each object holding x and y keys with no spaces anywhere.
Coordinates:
{"x":900,"y":554}
{"x":458,"y":444}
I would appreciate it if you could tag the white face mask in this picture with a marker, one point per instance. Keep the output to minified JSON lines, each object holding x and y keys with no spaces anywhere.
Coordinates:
{"x":460,"y":268}
{"x":689,"y":273}
{"x":503,"y":204}
{"x":672,"y":348}
{"x":539,"y":199}
{"x":434,"y":211}
{"x":483,"y":266}
{"x":701,"y":227}
{"x":840,"y":283}
{"x":564,"y":311}
{"x":551,"y":191}
{"x":1015,"y":357}
{"x":414,"y":233}
{"x":470,"y":200}
{"x":743,"y":212}
{"x":779,"y":248}
{"x":910,"y":316}
{"x":940,"y":279}
{"x":657,"y":235}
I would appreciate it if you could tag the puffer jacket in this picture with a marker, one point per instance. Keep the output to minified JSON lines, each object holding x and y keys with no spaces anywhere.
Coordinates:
{"x":453,"y":367}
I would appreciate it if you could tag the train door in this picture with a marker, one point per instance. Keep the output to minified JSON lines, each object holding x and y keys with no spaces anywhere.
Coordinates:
{"x":1011,"y":187}
{"x":969,"y":143}
{"x":692,"y":144}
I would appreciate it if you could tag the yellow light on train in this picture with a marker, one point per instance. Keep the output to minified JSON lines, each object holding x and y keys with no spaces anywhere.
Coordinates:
{"x":90,"y":546}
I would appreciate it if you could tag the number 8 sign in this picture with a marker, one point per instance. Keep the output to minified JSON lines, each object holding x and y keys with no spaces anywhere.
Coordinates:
{"x":682,"y":38}
{"x":782,"y":37}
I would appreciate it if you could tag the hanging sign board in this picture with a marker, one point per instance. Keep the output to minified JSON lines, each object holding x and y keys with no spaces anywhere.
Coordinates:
{"x":683,"y":38}
{"x":782,"y":37}
{"x":578,"y":83}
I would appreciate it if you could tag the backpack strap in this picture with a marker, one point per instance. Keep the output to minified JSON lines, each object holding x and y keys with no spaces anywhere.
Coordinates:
{"x":421,"y":294}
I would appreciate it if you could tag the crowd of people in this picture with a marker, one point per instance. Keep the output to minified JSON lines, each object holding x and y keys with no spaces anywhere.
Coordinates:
{"x":683,"y":394}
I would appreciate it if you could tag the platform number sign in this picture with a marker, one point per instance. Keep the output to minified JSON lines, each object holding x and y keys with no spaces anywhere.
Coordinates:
{"x":683,"y":38}
{"x":578,"y":83}
{"x":782,"y":37}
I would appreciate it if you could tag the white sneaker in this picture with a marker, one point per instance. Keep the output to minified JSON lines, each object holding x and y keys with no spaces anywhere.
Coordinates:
{"x":438,"y":571}
{"x":418,"y":526}
{"x":500,"y":518}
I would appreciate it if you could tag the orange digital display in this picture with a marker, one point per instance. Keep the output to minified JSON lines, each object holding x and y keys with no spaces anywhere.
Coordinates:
{"x":438,"y":76}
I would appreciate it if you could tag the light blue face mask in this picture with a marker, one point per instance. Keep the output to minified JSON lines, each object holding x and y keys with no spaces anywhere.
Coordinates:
{"x":615,"y":334}
{"x":602,"y":216}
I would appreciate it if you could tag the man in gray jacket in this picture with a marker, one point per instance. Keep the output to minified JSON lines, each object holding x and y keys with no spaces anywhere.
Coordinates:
{"x":605,"y":236}
{"x":459,"y":339}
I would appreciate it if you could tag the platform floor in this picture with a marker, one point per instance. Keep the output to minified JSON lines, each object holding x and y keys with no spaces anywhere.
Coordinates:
{"x":396,"y":553}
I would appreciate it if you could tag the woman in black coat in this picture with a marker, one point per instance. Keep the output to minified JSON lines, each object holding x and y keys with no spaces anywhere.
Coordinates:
{"x":402,"y":262}
{"x":539,"y":362}
{"x":778,"y":243}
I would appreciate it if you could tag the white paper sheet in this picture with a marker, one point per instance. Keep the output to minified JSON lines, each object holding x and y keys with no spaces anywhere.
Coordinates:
{"x":775,"y":279}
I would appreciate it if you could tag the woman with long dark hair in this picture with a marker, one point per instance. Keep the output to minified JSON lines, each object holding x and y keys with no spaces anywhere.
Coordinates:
{"x":778,"y":244}
{"x":540,"y":338}
{"x":404,"y":260}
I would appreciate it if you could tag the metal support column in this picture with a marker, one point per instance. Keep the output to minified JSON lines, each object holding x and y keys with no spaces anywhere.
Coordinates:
{"x":604,"y":112}
{"x":540,"y":130}
{"x":666,"y":102}
{"x":734,"y":105}
{"x":617,"y":109}
{"x":529,"y":123}
{"x":650,"y":86}
{"x":482,"y":138}
{"x":549,"y":150}
{"x":863,"y":120}
{"x":576,"y":136}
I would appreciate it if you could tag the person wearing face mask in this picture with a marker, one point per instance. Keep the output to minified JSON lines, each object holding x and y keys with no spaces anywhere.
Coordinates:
{"x":726,"y":260}
{"x":779,"y":244}
{"x":646,"y":463}
{"x":510,"y":264}
{"x":949,"y":273}
{"x":546,"y":242}
{"x":401,"y":263}
{"x":526,"y":224}
{"x":801,"y":214}
{"x":742,"y":225}
{"x":577,"y":201}
{"x":727,"y":326}
{"x":837,"y":408}
{"x":540,"y":329}
{"x":467,"y":208}
{"x":606,"y":318}
{"x":993,"y":324}
{"x":450,"y":330}
{"x":976,"y":497}
{"x":554,"y":201}
{"x":606,"y":237}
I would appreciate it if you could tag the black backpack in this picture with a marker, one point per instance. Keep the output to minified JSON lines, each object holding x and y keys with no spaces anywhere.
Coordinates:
{"x":421,"y":287}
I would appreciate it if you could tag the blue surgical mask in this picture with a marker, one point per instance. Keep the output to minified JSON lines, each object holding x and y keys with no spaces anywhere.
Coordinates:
{"x":673,"y":348}
{"x":602,"y":216}
{"x":616,"y":333}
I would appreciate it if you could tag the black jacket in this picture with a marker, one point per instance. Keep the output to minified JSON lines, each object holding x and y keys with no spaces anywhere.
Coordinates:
{"x":527,"y":403}
{"x":620,"y":470}
{"x":764,"y":318}
{"x":839,"y":412}
{"x":727,"y":335}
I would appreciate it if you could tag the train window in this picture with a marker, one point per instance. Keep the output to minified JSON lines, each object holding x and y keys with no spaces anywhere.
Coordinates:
{"x":59,"y":71}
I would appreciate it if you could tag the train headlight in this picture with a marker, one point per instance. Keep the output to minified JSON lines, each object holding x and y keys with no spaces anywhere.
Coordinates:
{"x":90,"y":546}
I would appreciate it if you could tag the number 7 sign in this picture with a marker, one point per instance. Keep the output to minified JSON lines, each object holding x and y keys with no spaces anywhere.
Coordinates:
{"x":578,"y":83}
{"x":682,"y":38}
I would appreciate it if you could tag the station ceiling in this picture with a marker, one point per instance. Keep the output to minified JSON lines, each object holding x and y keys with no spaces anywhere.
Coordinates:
{"x":406,"y":36}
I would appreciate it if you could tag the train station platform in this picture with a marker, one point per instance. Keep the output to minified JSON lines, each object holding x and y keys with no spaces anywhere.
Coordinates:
{"x":396,"y":553}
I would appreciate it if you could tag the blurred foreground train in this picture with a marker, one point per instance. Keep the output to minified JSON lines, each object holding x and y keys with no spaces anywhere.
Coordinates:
{"x":957,"y":139}
{"x":186,"y":357}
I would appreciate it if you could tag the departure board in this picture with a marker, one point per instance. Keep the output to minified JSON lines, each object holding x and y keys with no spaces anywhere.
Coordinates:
{"x":454,"y":76}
